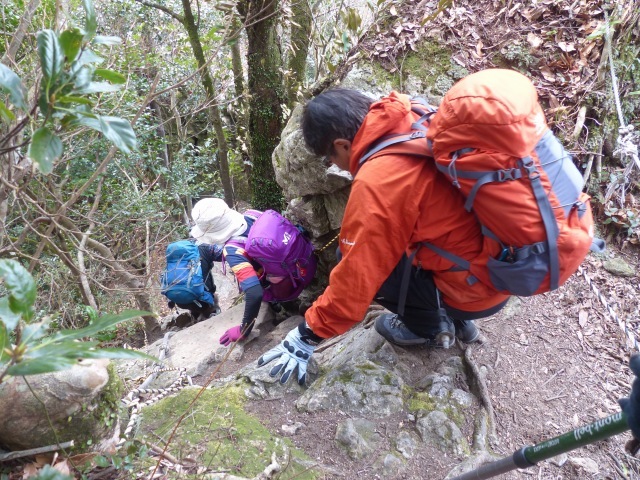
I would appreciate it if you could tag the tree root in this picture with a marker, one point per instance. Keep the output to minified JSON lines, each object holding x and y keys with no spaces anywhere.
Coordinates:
{"x":481,"y":391}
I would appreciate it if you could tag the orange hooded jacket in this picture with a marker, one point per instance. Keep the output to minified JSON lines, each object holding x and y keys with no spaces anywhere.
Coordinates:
{"x":397,"y":201}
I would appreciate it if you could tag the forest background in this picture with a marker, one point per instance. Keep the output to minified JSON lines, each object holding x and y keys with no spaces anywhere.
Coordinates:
{"x":117,"y":117}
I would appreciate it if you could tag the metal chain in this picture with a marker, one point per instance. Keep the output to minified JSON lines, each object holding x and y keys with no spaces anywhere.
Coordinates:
{"x":132,"y":400}
{"x":629,"y":334}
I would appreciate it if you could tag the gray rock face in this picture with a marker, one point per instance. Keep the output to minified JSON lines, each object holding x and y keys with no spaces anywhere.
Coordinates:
{"x":362,"y":377}
{"x":618,"y":267}
{"x":357,"y":436}
{"x":389,"y":465}
{"x":195,"y":348}
{"x":407,"y":444}
{"x":363,"y":388}
{"x":81,"y":402}
{"x":437,"y":429}
{"x":300,"y":172}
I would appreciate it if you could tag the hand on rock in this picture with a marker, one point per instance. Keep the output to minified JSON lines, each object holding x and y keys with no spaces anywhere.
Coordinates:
{"x":232,"y":335}
{"x":293,"y":354}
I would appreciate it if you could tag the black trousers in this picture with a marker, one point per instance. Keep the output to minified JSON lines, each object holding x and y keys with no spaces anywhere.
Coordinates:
{"x":421,"y":307}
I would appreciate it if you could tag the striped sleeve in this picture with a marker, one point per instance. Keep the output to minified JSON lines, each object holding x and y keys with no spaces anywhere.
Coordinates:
{"x":241,"y":267}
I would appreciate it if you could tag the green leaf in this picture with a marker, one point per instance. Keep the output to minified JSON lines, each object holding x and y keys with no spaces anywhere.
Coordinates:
{"x":50,"y":473}
{"x":34,"y":331}
{"x":113,"y":77}
{"x":89,"y":57}
{"x":634,"y":93}
{"x":67,"y":349}
{"x":8,"y":316}
{"x":102,"y":323}
{"x":6,"y":114}
{"x":82,"y":78}
{"x":74,"y":99}
{"x":11,"y":82}
{"x":51,"y":56}
{"x":98,"y":87}
{"x":107,"y":40}
{"x":45,"y":149}
{"x":20,"y":284}
{"x":4,"y":342}
{"x":35,"y":366}
{"x":117,"y":130}
{"x":118,"y":353}
{"x":71,"y":42}
{"x":91,"y":23}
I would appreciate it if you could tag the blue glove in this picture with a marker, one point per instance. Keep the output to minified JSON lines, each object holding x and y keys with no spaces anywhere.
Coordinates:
{"x":631,"y":406}
{"x":293,"y":353}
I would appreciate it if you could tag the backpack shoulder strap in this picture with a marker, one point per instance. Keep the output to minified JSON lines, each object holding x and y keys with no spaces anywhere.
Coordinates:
{"x":419,"y":131}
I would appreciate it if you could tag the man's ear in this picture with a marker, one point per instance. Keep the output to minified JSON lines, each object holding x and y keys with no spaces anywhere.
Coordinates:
{"x":342,"y":144}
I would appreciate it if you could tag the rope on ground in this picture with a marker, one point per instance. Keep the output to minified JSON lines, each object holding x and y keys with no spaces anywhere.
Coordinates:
{"x":626,"y":137}
{"x":629,"y":334}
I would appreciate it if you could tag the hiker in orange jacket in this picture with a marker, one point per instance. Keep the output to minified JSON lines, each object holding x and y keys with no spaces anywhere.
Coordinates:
{"x":397,"y":200}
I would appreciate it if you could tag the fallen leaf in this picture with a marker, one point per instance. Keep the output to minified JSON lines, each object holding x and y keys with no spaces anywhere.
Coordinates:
{"x":534,"y":40}
{"x":63,"y":467}
{"x":83,"y":458}
{"x":548,"y":74}
{"x":583,"y":315}
{"x":42,"y":460}
{"x":479,"y":46}
{"x":29,"y":470}
{"x":567,"y":46}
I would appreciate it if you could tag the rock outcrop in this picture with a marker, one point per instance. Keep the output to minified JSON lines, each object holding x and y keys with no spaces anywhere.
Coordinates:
{"x":81,"y":403}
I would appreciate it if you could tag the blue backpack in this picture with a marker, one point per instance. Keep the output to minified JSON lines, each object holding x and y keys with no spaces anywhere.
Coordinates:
{"x":182,"y":281}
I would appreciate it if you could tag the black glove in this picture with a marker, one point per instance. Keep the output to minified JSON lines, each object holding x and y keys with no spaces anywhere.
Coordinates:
{"x":631,"y":406}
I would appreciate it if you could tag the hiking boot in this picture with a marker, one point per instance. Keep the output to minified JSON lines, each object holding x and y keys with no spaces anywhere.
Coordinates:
{"x":393,"y":330}
{"x":466,"y":331}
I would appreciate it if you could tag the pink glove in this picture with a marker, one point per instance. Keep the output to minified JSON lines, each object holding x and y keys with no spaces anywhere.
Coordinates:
{"x":232,"y":335}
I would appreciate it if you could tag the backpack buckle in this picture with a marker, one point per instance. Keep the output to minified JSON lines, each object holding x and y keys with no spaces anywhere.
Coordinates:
{"x":511,"y":174}
{"x":530,"y":166}
{"x":417,"y":134}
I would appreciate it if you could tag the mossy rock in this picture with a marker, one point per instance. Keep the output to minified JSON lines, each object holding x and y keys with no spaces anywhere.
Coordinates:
{"x":218,"y":433}
{"x":80,"y":403}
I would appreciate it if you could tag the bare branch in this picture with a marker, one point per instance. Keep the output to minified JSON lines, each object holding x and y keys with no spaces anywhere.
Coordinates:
{"x":166,"y":10}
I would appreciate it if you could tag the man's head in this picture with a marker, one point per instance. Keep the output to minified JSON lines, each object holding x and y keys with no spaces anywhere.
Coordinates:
{"x":330,"y":122}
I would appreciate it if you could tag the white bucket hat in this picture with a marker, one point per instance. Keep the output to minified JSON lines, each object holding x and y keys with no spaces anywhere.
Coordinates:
{"x":216,"y":223}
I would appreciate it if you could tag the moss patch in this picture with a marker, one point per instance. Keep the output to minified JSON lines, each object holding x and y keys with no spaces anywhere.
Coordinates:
{"x":421,"y":401}
{"x":87,"y":429}
{"x":431,"y":63}
{"x":218,"y":433}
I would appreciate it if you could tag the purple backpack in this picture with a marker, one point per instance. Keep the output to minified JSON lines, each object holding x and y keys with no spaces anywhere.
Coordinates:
{"x":284,"y":253}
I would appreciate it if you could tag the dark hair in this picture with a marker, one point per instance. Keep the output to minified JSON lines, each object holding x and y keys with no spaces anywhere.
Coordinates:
{"x":336,"y":113}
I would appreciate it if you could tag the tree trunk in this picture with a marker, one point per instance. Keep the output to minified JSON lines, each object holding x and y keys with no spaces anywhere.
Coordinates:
{"x":214,"y":111}
{"x":300,"y":38}
{"x":180,"y":132}
{"x":266,"y":97}
{"x":160,"y":132}
{"x":16,"y":39}
{"x":236,"y":62}
{"x":238,"y":83}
